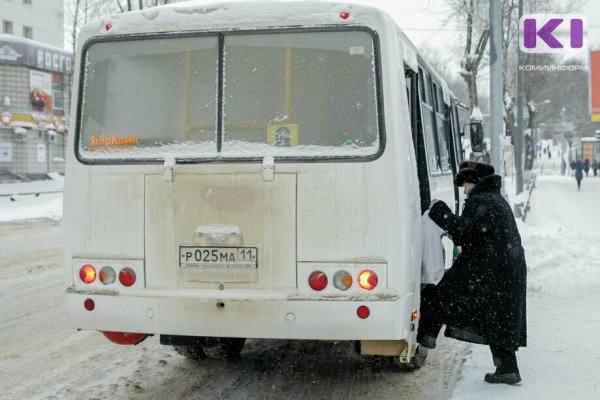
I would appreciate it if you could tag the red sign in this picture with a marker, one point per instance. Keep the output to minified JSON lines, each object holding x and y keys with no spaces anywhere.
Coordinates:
{"x":595,"y":84}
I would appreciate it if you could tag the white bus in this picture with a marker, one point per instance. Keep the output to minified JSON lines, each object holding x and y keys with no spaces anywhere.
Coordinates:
{"x":253,"y":170}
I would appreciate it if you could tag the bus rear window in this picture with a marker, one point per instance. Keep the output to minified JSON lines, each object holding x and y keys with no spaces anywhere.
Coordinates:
{"x":230,"y":96}
{"x":149,"y":98}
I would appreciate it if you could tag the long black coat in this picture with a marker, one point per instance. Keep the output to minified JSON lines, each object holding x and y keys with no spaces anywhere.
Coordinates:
{"x":481,"y":299}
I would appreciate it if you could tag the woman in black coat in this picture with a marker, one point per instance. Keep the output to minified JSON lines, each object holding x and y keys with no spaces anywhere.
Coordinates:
{"x":481,"y":299}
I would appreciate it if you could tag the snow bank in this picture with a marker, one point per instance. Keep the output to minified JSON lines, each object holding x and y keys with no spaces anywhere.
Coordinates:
{"x":29,"y":207}
{"x":28,"y":200}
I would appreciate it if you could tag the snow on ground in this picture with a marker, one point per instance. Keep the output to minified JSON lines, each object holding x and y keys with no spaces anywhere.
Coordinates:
{"x":28,"y":200}
{"x":560,"y":237}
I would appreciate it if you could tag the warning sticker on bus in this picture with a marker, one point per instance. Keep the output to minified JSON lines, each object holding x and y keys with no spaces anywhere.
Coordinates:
{"x":218,"y":257}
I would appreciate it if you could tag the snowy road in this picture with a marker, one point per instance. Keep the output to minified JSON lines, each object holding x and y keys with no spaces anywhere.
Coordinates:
{"x":42,"y":359}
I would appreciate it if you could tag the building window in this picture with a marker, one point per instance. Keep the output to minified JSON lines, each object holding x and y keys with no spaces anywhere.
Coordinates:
{"x":7,"y":27}
{"x":57,"y":147}
{"x":28,"y":32}
{"x":58,"y":100}
{"x":27,"y":2}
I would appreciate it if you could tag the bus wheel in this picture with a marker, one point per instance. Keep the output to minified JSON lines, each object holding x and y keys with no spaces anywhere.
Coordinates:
{"x":223,"y":348}
{"x":191,"y":352}
{"x":416,"y":362}
{"x":213,"y":347}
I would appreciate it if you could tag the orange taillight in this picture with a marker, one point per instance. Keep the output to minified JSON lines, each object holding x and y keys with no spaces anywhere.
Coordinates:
{"x":342,"y":280}
{"x":107,"y":275}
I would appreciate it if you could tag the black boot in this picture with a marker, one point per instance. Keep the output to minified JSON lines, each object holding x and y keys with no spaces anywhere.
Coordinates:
{"x":426,"y":341}
{"x":510,"y":378}
{"x":507,"y":370}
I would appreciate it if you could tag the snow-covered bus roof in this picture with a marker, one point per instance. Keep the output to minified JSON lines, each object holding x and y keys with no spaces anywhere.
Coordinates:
{"x":241,"y":14}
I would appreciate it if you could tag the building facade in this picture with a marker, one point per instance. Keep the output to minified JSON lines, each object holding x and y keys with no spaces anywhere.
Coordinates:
{"x":35,"y":84}
{"x":39,"y":20}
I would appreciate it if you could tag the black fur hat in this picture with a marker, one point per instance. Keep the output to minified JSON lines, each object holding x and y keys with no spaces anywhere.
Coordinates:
{"x":472,"y":171}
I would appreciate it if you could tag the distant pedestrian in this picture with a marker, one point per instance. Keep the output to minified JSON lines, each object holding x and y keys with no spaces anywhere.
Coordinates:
{"x":563,"y":166}
{"x":481,"y":299}
{"x":586,"y":166}
{"x":578,"y":167}
{"x":595,"y":167}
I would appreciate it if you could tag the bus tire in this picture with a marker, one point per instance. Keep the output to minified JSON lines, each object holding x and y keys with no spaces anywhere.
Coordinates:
{"x":191,"y":352}
{"x":213,"y":347}
{"x":416,"y":362}
{"x":223,"y":348}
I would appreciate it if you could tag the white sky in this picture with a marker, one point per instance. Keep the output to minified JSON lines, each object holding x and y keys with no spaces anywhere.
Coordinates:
{"x":422,"y":21}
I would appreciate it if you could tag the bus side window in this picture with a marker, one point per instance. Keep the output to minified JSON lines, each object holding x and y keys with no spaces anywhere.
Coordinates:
{"x":408,"y":81}
{"x":442,"y":133}
{"x":454,"y":146}
{"x":427,"y":118}
{"x":418,"y":138}
{"x":455,"y":135}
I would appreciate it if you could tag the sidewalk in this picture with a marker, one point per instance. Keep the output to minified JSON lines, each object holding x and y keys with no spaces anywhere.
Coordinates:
{"x":563,"y":313}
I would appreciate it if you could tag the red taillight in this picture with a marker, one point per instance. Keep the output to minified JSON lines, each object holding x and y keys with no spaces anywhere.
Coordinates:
{"x":125,"y":337}
{"x":127,"y":277}
{"x":89,"y":304}
{"x":344,"y":15}
{"x":317,"y":280}
{"x":87,"y":273}
{"x":363,"y":312}
{"x":367,"y":279}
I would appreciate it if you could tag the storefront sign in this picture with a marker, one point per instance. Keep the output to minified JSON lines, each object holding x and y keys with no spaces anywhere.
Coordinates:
{"x":37,"y":56}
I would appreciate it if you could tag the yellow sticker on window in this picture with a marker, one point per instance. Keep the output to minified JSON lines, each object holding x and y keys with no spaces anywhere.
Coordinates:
{"x":282,"y":135}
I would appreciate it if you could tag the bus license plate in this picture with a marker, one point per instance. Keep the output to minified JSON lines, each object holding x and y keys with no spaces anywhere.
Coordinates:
{"x":218,"y":257}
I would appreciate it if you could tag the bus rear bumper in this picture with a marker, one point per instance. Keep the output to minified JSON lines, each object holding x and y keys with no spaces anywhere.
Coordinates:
{"x":272,"y":318}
